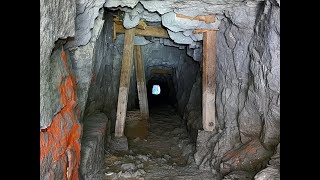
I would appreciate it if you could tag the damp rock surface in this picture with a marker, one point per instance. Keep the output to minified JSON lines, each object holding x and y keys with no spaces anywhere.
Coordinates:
{"x":92,"y":145}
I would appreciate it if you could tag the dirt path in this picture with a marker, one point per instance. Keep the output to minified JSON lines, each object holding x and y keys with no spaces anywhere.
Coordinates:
{"x":166,"y":153}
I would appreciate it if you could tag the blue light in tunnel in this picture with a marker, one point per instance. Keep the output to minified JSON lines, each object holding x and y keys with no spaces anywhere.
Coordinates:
{"x":156,"y":89}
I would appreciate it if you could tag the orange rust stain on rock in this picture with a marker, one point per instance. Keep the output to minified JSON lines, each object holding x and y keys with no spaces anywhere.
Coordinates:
{"x":61,"y":138}
{"x":64,"y":58}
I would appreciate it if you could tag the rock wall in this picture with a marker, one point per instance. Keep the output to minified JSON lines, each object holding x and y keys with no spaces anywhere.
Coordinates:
{"x":92,"y":146}
{"x":59,"y":142}
{"x":56,"y":22}
{"x":248,"y":92}
{"x":64,"y":77}
{"x":185,"y":76}
{"x":104,"y":84}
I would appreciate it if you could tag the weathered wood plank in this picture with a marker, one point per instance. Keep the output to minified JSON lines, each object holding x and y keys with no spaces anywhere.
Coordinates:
{"x":151,"y":31}
{"x":141,"y":83}
{"x":209,"y":80}
{"x":207,"y":19}
{"x":161,"y":71}
{"x":124,"y":81}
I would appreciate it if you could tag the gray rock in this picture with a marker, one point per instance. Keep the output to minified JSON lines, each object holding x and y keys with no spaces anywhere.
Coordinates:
{"x":127,"y":167}
{"x":122,"y":3}
{"x":143,"y":157}
{"x":140,"y":40}
{"x":141,"y":171}
{"x":83,"y":63}
{"x":167,"y":157}
{"x":177,"y":24}
{"x":249,"y":157}
{"x":92,"y":145}
{"x":56,"y":21}
{"x":268,"y":173}
{"x":248,"y":96}
{"x":87,"y":12}
{"x":119,"y":144}
{"x":179,"y":38}
{"x":273,"y":169}
{"x":196,"y":53}
{"x":157,"y":6}
{"x":106,"y":65}
{"x":126,"y":175}
{"x":130,"y":21}
{"x":64,"y":124}
{"x":140,"y":166}
{"x":235,"y":175}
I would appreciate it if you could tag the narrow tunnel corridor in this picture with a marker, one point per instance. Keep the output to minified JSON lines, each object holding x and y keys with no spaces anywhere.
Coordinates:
{"x":216,"y":63}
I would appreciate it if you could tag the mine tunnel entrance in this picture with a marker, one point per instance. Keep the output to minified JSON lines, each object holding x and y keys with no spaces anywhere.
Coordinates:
{"x":214,"y":70}
{"x":157,"y":78}
{"x":162,"y":74}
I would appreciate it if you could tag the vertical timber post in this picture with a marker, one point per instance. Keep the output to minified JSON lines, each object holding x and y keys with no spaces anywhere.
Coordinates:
{"x":141,"y":83}
{"x":209,"y":80}
{"x":127,"y":56}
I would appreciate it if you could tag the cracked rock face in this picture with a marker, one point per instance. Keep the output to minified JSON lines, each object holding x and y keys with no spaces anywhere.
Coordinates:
{"x":56,"y":21}
{"x":92,"y":146}
{"x":87,"y":12}
{"x":248,"y":87}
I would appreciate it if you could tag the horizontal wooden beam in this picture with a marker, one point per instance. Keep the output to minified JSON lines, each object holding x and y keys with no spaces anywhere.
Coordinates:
{"x":151,"y":31}
{"x":161,"y":71}
{"x":197,"y":31}
{"x":207,"y":19}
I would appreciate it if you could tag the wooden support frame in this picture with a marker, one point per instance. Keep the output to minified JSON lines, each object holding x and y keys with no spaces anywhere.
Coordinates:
{"x":124,"y":81}
{"x":141,"y":30}
{"x":206,"y":19}
{"x":141,"y":83}
{"x":161,"y":71}
{"x":209,"y":80}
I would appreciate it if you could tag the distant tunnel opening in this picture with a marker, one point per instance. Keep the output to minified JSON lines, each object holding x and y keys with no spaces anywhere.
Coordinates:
{"x":166,"y":94}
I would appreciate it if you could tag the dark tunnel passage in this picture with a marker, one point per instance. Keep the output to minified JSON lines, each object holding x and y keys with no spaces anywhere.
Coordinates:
{"x":167,"y":91}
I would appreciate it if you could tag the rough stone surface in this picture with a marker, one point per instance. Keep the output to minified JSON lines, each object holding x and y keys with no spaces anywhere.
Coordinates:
{"x":249,"y":157}
{"x":92,"y":146}
{"x":248,"y":93}
{"x":179,"y":38}
{"x":273,"y":169}
{"x":140,"y":40}
{"x":83,"y":63}
{"x":118,"y":144}
{"x":177,"y":24}
{"x":122,"y":3}
{"x":87,"y":12}
{"x":130,"y":21}
{"x":56,"y":21}
{"x":104,"y":84}
{"x":235,"y":175}
{"x":268,"y":173}
{"x":185,"y":76}
{"x":59,"y":142}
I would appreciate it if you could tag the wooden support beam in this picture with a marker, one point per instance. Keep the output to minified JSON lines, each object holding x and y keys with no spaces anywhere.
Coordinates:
{"x":207,"y":19}
{"x":142,"y":25}
{"x":151,"y":31}
{"x":161,"y":71}
{"x":209,"y":80}
{"x":141,"y":83}
{"x":124,"y":81}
